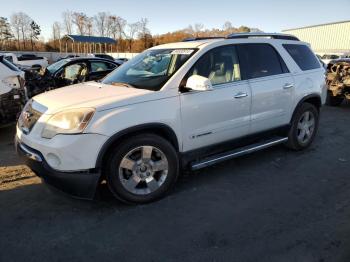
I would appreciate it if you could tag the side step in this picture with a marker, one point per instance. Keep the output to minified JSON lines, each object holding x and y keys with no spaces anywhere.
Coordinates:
{"x":237,"y":152}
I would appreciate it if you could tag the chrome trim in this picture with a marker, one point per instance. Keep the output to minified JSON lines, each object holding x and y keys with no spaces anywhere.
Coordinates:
{"x":234,"y":154}
{"x":288,"y":86}
{"x":28,"y":153}
{"x":240,"y":95}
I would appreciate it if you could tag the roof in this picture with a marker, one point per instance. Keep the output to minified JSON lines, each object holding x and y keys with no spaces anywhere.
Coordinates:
{"x":91,"y":39}
{"x":304,"y":27}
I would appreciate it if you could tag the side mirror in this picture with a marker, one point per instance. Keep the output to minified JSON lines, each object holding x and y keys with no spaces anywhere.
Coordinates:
{"x":199,"y":83}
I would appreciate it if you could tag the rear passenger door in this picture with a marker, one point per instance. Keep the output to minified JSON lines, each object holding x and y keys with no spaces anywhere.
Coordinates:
{"x":271,"y":83}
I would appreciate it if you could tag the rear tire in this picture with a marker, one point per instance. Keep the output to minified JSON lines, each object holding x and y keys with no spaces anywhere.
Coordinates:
{"x":142,"y":169}
{"x":334,"y":100}
{"x":304,"y":127}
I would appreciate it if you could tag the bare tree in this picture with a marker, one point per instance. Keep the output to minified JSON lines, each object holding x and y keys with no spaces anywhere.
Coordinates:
{"x":101,"y":22}
{"x":56,"y":32}
{"x":132,"y":30}
{"x":144,"y":33}
{"x":68,"y":22}
{"x":80,"y":20}
{"x":227,"y":26}
{"x":16,"y":27}
{"x":89,"y":26}
{"x":198,"y":28}
{"x":20,"y":23}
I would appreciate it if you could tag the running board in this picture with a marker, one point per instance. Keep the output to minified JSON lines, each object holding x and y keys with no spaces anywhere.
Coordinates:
{"x":237,"y":152}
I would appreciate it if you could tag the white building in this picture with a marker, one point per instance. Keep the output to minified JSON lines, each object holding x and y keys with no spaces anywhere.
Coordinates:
{"x":325,"y":38}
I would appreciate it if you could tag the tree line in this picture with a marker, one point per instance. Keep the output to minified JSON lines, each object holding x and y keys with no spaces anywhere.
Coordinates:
{"x":21,"y":32}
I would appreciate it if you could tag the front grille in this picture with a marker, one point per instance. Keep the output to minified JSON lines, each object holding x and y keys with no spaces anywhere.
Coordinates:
{"x":28,"y":118}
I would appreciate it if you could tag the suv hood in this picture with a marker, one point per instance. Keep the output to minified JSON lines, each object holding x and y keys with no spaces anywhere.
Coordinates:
{"x":92,"y":94}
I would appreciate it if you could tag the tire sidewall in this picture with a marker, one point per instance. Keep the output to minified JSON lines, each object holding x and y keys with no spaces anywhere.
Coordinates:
{"x":293,"y":134}
{"x":126,"y":146}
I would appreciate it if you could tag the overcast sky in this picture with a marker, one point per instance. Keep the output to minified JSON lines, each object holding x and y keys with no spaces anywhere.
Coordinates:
{"x":166,"y":16}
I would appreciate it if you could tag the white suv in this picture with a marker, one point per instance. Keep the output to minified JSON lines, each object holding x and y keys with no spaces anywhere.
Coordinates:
{"x":181,"y":105}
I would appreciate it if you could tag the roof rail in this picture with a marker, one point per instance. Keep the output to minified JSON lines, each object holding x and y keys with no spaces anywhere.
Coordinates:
{"x":202,"y":38}
{"x":270,"y":35}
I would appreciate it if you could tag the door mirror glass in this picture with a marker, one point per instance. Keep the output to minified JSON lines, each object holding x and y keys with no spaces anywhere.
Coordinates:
{"x":199,"y":83}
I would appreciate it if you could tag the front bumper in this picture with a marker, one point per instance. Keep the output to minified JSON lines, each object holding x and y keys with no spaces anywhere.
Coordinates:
{"x":80,"y":184}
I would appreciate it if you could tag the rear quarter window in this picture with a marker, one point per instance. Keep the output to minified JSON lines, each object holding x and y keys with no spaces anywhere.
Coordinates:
{"x":303,"y":56}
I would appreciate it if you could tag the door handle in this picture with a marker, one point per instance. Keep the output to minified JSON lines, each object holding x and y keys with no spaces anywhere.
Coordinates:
{"x":287,"y":86}
{"x":240,"y":95}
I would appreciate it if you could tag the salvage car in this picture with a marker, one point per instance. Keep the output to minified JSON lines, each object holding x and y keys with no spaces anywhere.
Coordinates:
{"x":68,"y":72}
{"x":12,"y":93}
{"x":27,"y":60}
{"x":338,"y":81}
{"x":185,"y":105}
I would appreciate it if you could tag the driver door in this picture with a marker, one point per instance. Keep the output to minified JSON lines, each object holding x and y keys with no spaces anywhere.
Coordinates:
{"x":211,"y":117}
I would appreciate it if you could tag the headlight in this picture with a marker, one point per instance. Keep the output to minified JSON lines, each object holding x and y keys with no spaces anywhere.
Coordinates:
{"x":71,"y":121}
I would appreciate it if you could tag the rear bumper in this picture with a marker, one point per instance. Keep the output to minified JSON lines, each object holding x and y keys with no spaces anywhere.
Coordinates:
{"x":80,"y":184}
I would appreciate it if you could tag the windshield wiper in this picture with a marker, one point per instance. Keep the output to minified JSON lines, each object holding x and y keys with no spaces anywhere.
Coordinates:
{"x":122,"y":84}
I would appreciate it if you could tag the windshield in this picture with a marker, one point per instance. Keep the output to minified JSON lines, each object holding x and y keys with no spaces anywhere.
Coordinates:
{"x":55,"y":66}
{"x":150,"y":69}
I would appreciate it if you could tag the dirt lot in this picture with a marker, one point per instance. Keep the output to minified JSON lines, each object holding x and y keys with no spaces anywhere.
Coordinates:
{"x":274,"y":205}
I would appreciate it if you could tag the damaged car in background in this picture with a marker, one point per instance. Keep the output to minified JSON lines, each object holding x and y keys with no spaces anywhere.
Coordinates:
{"x":338,"y":81}
{"x":12,"y":91}
{"x":67,"y":72}
{"x":27,"y":61}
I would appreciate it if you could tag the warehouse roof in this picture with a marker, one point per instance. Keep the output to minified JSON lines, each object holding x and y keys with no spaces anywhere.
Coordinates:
{"x":90,"y":39}
{"x":304,"y":27}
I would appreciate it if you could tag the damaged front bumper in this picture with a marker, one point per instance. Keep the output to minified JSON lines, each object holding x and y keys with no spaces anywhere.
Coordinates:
{"x":80,"y":184}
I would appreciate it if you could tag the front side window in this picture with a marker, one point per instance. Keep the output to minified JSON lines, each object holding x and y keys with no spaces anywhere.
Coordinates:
{"x":219,"y":65}
{"x":150,"y":69}
{"x":260,"y":60}
{"x":303,"y":56}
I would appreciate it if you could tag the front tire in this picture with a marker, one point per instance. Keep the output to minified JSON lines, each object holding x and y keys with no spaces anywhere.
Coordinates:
{"x":304,"y":127}
{"x":142,"y":169}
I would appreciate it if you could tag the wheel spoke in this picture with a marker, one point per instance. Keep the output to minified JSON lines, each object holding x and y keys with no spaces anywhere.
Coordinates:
{"x":306,"y":116}
{"x":147,"y":152}
{"x":301,"y":136}
{"x":311,"y":122}
{"x":127,"y":163}
{"x":152,"y":184}
{"x":300,"y":126}
{"x":132,"y":182}
{"x":160,"y":165}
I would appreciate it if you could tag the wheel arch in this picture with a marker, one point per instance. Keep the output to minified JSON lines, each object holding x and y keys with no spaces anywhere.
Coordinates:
{"x":313,"y":99}
{"x":160,"y":129}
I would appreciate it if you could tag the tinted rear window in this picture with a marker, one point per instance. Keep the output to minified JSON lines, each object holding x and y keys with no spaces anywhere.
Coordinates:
{"x":303,"y":56}
{"x":260,"y":60}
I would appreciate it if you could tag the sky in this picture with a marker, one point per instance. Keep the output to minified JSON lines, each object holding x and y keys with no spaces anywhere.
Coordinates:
{"x":166,"y":16}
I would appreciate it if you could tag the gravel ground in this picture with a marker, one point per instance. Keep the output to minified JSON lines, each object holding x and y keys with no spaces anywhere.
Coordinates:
{"x":274,"y":205}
